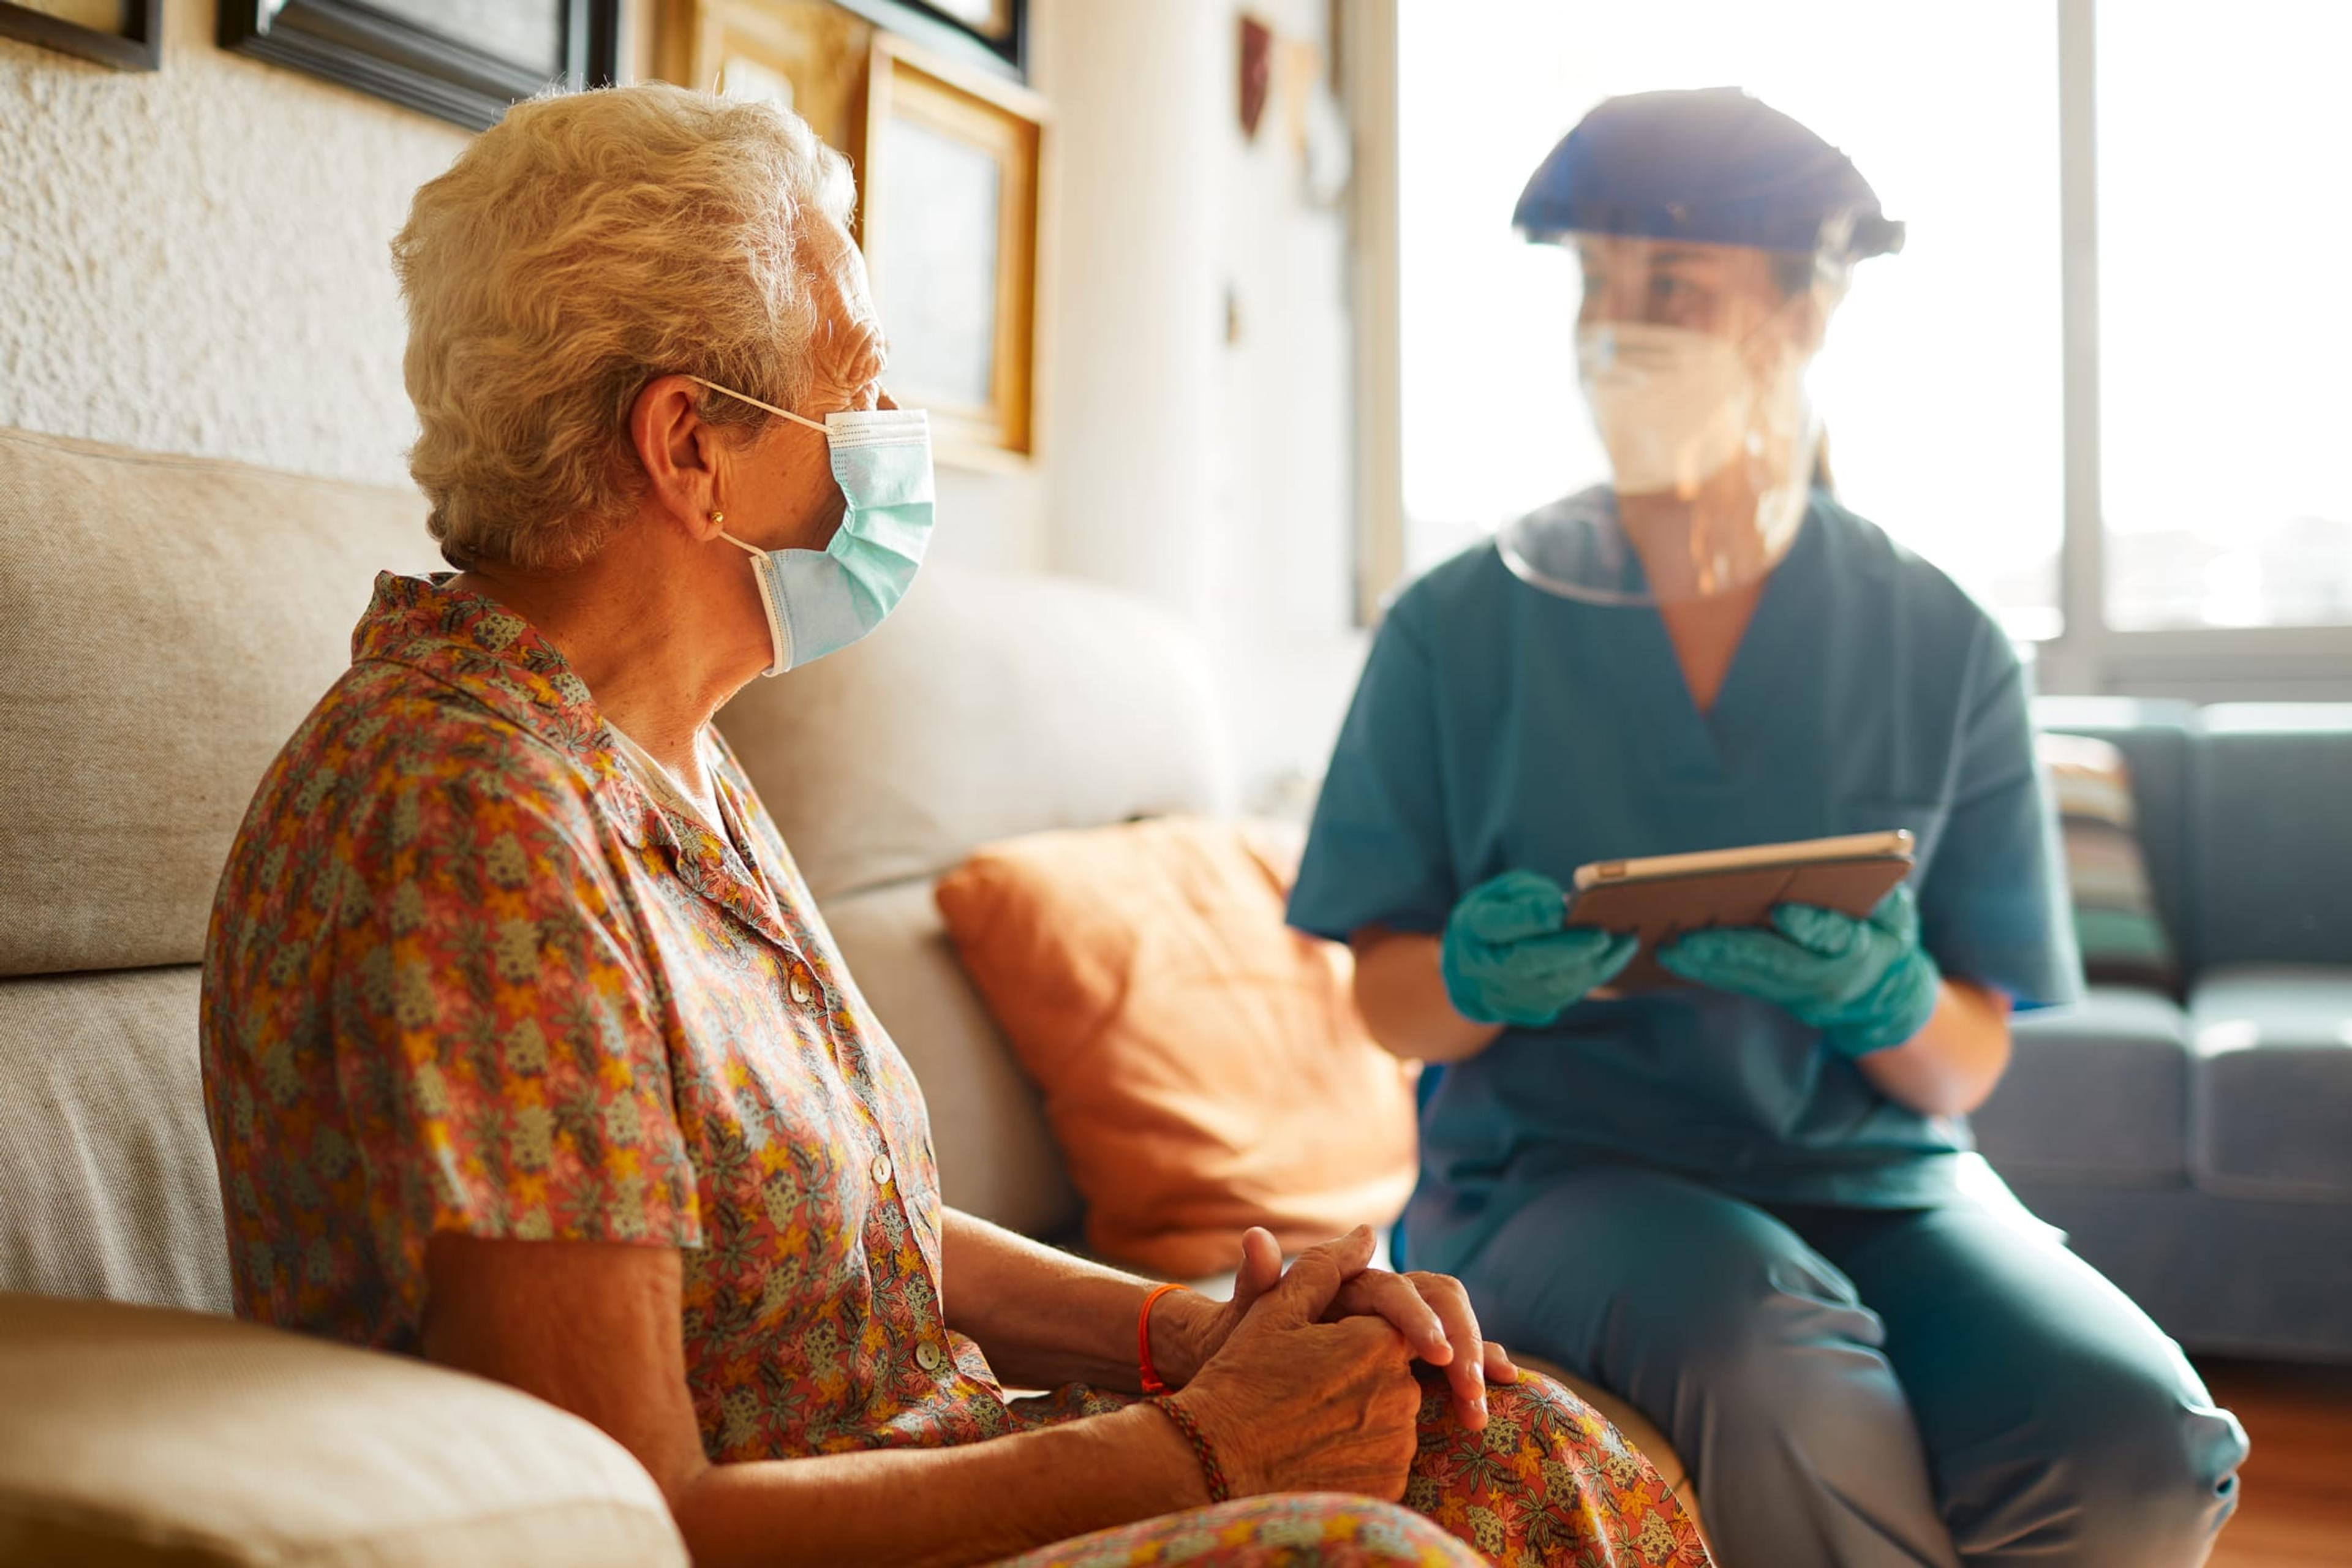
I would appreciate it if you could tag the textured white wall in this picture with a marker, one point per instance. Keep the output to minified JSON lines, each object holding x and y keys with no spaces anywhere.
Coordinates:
{"x":1283,"y":391}
{"x":1209,"y":472}
{"x":1141,"y":105}
{"x":194,"y":259}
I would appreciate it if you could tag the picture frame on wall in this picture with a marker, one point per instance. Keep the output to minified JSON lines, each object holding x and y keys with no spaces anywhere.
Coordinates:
{"x":994,"y":34}
{"x":125,"y":34}
{"x":462,"y":60}
{"x":807,"y":55}
{"x":949,"y":182}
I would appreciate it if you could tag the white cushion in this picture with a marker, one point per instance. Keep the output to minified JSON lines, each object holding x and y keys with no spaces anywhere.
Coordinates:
{"x":997,"y":1158}
{"x":107,"y":1181}
{"x":990,"y":705}
{"x":133,"y":1436}
{"x":164,"y":624}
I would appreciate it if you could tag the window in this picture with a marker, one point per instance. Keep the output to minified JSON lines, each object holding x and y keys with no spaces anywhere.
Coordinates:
{"x":2225,"y":314}
{"x":2104,"y":477}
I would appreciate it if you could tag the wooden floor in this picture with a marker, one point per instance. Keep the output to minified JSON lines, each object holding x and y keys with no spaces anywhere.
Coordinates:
{"x":2297,"y":1511}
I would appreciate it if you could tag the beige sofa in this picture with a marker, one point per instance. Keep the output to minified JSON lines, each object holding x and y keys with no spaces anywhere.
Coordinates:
{"x":164,"y":623}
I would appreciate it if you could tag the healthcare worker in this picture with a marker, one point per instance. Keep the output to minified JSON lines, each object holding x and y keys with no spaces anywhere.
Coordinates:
{"x":1744,"y":1201}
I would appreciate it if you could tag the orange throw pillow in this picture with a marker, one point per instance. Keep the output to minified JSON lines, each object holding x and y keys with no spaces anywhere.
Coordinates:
{"x":1202,"y":1063}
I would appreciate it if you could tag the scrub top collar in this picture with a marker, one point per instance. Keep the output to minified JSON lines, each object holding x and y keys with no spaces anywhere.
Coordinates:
{"x":1642,"y":668}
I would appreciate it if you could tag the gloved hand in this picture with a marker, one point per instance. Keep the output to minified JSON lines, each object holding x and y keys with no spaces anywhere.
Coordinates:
{"x":1509,"y":957}
{"x":1865,"y":984}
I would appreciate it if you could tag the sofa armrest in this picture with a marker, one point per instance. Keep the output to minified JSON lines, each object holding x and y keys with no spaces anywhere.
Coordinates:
{"x":140,"y":1434}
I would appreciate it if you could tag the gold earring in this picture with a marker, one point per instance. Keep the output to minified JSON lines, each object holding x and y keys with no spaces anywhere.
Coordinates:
{"x":717,"y":516}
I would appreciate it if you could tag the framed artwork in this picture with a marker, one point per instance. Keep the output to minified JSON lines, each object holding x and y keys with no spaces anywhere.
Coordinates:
{"x":460,"y":59}
{"x":946,"y":155}
{"x":948,"y":175}
{"x":807,"y":55}
{"x":990,"y":33}
{"x":125,"y":34}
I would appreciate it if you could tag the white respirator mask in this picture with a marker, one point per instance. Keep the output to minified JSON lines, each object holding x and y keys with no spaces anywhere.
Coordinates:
{"x":1673,"y":406}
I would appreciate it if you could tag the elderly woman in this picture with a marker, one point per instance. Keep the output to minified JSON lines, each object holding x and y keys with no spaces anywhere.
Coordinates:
{"x":526,"y":1049}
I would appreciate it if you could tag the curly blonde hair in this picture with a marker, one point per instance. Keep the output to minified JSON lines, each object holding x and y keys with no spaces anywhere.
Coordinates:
{"x":588,"y":243}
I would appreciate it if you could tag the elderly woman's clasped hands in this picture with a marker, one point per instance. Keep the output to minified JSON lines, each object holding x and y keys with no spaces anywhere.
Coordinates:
{"x":1306,"y":1376}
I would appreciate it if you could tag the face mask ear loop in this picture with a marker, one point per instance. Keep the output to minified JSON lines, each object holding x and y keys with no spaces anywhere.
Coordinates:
{"x":780,"y":640}
{"x":816,"y":424}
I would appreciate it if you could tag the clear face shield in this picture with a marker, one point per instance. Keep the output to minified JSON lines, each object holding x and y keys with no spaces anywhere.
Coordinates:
{"x":1692,"y":360}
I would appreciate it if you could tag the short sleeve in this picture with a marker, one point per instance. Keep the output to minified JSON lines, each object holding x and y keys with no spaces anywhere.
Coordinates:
{"x":1993,"y":904}
{"x":497,"y":1029}
{"x":1377,"y":852}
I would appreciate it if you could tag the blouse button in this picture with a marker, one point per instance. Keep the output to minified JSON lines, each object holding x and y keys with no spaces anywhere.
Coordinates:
{"x":881,"y":1168}
{"x":802,"y":991}
{"x":929,"y":1357}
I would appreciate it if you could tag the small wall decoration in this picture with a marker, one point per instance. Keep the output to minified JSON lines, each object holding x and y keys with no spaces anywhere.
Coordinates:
{"x":1257,"y":73}
{"x":460,"y":59}
{"x":1292,"y":72}
{"x":125,"y":34}
{"x":948,"y":173}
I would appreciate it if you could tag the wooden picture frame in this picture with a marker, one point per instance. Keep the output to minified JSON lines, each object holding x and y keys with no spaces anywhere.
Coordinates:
{"x":994,"y":34}
{"x":137,"y":45}
{"x":950,"y":176}
{"x":472,"y":80}
{"x":808,"y":56}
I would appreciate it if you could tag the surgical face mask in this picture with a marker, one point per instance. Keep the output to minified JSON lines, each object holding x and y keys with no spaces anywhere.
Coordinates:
{"x":1673,"y":406}
{"x":819,"y":601}
{"x":1676,"y":407}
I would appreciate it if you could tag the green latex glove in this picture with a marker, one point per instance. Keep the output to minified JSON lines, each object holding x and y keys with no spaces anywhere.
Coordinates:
{"x":1509,"y":957}
{"x":1865,"y":984}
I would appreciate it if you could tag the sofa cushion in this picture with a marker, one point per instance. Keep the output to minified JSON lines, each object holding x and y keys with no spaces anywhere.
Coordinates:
{"x":2153,"y":736}
{"x":107,"y":1182}
{"x":137,"y":1435}
{"x":164,"y":624}
{"x":2122,"y":937}
{"x":2273,"y":1113}
{"x":2096,"y":1093}
{"x":996,"y":1158}
{"x":1203,"y":1067}
{"x":990,"y":705}
{"x":2232,"y":1276}
{"x":2273,"y":834}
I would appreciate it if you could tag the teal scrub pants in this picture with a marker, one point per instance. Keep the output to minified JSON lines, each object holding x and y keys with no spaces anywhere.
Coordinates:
{"x":1872,"y":1387}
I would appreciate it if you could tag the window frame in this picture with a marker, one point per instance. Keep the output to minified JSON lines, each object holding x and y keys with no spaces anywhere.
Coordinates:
{"x":2089,"y":655}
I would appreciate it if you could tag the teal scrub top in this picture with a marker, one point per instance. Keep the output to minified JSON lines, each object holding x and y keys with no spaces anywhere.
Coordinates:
{"x":1498,"y":725}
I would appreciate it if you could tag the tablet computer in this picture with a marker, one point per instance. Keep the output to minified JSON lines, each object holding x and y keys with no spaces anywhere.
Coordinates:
{"x":1663,"y":896}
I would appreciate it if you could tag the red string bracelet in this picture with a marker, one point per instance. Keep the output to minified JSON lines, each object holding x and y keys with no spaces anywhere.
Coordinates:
{"x":1151,"y":1380}
{"x":1212,"y":1472}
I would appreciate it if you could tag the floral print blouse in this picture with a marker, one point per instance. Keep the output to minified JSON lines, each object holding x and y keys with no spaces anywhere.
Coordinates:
{"x":465,"y":976}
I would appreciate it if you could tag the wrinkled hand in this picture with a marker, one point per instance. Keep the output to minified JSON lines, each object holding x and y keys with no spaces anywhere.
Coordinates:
{"x":1865,"y":984}
{"x":1509,"y":958}
{"x":1431,"y":1311}
{"x":1291,"y":1402}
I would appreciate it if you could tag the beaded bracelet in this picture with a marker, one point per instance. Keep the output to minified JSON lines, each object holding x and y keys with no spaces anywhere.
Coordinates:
{"x":1220,"y":1490}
